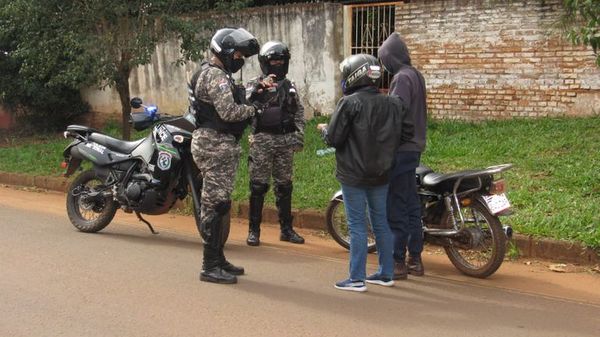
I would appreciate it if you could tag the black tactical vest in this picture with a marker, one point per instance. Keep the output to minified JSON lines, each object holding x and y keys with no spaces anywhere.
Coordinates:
{"x":206,"y":114}
{"x":279,"y":110}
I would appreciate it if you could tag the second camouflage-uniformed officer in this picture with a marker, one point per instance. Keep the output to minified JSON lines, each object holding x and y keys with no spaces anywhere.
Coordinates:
{"x":221,"y":120}
{"x":278,"y":132}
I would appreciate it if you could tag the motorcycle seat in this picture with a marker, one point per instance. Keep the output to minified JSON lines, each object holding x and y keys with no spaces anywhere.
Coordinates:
{"x":115,"y":144}
{"x":421,"y":172}
{"x":433,"y":179}
{"x":81,"y":129}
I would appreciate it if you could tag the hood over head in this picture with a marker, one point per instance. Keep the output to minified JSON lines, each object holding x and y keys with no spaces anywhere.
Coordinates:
{"x":393,"y":53}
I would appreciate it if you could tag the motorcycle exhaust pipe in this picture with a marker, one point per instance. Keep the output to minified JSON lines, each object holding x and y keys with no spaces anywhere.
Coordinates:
{"x":441,"y":232}
{"x":508,"y":231}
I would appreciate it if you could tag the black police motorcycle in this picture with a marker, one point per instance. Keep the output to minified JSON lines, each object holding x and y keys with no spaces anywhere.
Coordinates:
{"x":145,"y":176}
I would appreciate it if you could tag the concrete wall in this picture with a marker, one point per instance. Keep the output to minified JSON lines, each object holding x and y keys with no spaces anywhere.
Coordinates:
{"x":313,"y":33}
{"x":497,"y":59}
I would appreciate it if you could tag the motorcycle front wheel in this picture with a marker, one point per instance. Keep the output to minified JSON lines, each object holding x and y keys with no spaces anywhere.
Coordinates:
{"x":88,"y":210}
{"x":480,"y":251}
{"x":337,"y":226}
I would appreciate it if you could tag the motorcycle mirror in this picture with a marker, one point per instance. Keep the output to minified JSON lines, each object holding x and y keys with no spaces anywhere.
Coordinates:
{"x":136,"y":102}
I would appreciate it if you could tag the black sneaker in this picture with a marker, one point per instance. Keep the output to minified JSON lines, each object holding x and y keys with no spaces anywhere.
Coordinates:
{"x":378,"y":279}
{"x":358,"y":286}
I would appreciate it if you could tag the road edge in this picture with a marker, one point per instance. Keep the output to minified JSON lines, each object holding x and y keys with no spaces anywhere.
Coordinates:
{"x":528,"y":246}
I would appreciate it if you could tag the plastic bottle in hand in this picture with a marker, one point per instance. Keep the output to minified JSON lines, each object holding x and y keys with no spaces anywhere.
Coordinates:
{"x":324,"y":152}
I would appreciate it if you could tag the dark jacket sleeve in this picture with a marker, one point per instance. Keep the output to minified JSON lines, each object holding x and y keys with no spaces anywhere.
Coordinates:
{"x":408,"y":126}
{"x":339,"y":127}
{"x":400,"y":87}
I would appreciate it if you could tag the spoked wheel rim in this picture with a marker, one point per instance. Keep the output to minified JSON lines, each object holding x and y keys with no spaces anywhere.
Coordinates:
{"x":480,"y":251}
{"x":339,"y":223}
{"x":88,"y":209}
{"x":90,"y":205}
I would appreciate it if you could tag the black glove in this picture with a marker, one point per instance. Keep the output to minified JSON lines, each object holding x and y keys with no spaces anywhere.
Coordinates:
{"x":258,"y":108}
{"x":253,"y":90}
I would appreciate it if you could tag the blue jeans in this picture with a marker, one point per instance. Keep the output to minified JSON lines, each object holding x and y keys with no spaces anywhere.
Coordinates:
{"x":356,"y":201}
{"x":404,"y":207}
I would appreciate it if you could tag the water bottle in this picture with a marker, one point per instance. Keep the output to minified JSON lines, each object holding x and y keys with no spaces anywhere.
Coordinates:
{"x":324,"y":152}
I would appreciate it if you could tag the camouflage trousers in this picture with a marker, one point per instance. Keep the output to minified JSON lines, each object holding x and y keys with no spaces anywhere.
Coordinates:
{"x":217,"y":156}
{"x":271,"y":155}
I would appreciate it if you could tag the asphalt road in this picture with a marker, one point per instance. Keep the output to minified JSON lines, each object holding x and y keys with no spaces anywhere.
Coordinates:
{"x":124,"y":281}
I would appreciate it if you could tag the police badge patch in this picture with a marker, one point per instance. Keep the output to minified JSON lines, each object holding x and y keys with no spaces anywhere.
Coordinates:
{"x":164,"y":161}
{"x":224,"y":85}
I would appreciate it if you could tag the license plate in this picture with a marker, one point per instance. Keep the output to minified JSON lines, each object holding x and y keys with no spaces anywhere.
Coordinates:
{"x":496,"y":202}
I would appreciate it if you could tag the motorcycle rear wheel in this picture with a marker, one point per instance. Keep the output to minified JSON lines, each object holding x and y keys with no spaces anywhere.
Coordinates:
{"x":337,"y":226}
{"x":484,"y":259}
{"x":88,"y":215}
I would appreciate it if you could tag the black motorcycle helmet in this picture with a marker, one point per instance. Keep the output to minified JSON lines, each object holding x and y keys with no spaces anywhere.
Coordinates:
{"x":358,"y":71}
{"x":227,"y":41}
{"x":274,"y":50}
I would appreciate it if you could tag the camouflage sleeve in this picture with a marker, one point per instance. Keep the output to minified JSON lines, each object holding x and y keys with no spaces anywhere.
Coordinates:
{"x":299,"y":116}
{"x":219,"y":92}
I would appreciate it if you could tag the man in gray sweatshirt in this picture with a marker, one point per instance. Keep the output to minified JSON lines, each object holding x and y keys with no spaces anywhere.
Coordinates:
{"x":403,"y":205}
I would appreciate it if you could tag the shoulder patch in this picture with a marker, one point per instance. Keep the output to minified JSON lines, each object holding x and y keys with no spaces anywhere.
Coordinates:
{"x":224,"y":84}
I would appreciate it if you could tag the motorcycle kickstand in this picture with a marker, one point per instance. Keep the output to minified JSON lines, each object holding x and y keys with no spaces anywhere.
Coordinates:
{"x":139,"y":216}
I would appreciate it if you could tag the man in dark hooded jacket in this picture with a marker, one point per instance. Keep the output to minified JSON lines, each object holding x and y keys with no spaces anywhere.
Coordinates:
{"x":403,"y":205}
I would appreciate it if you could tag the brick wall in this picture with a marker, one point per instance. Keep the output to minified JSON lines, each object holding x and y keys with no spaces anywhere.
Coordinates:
{"x":498,"y":59}
{"x":6,"y":118}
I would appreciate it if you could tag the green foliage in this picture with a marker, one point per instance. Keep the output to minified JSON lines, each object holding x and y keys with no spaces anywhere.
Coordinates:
{"x":512,"y":251}
{"x":38,"y":105}
{"x":98,"y":38}
{"x":580,"y":22}
{"x":71,"y":44}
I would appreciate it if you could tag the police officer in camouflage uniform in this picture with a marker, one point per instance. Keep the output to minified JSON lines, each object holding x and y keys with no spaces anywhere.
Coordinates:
{"x":221,"y":119}
{"x":278,"y":133}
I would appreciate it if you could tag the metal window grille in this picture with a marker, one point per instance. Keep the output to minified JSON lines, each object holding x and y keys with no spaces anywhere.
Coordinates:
{"x":371,"y":25}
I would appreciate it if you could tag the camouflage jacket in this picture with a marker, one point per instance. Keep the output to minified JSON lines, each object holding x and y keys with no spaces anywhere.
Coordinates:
{"x":215,"y":87}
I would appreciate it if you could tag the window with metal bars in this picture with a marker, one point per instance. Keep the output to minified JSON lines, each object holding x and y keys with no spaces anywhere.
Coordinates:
{"x":371,"y":25}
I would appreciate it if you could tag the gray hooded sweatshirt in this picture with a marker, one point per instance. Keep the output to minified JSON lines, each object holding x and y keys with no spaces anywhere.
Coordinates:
{"x":409,"y":85}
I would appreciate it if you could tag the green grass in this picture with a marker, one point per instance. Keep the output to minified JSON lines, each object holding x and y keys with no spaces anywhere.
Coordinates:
{"x":554,"y":185}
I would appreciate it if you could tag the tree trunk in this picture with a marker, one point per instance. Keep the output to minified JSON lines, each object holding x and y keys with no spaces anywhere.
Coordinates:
{"x":122,"y":84}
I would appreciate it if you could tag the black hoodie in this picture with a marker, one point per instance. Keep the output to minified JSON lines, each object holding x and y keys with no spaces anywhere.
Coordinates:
{"x":409,"y":85}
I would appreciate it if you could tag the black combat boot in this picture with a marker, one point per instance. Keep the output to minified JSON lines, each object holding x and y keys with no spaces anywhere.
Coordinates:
{"x":283,"y":196}
{"x":257,"y":199}
{"x":212,"y":270}
{"x":228,"y":266}
{"x":415,"y":266}
{"x":214,"y":265}
{"x":253,"y":238}
{"x":289,"y":234}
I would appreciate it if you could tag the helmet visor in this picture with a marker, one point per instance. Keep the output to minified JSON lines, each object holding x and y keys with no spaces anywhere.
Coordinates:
{"x":244,"y":42}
